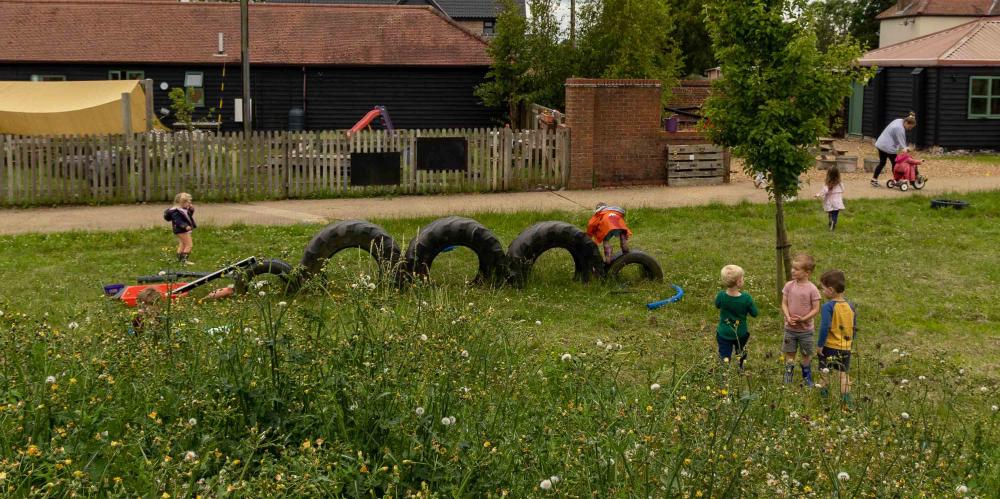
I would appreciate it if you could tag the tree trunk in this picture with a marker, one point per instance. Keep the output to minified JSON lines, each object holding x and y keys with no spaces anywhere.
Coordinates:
{"x":783,"y":258}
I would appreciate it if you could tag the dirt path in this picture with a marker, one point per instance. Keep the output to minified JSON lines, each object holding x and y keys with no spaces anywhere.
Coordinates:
{"x":18,"y":221}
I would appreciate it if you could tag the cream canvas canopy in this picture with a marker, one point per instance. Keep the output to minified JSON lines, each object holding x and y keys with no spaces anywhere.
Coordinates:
{"x":70,"y":107}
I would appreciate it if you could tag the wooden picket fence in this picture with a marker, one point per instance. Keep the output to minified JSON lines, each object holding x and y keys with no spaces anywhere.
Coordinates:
{"x":266,"y":165}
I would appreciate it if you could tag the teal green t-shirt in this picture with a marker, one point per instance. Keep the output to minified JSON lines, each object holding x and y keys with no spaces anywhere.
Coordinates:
{"x":733,"y":312}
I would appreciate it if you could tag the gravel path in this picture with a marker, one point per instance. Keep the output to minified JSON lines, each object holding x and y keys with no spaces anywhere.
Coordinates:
{"x":18,"y":221}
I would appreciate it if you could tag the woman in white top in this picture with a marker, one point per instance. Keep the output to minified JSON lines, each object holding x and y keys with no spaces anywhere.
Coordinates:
{"x":891,"y":141}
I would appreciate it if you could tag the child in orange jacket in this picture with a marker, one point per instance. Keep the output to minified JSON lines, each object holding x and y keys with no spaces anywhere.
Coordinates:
{"x":606,"y":223}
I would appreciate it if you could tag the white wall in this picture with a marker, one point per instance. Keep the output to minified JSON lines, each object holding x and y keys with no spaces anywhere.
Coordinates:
{"x":892,"y":31}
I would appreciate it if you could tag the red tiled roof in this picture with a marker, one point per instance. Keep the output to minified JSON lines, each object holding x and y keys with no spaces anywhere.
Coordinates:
{"x":975,"y":43}
{"x":154,"y":31}
{"x":912,"y":8}
{"x":690,"y":94}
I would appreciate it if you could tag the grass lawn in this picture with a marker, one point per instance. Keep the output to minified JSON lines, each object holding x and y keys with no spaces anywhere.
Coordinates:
{"x":336,"y":392}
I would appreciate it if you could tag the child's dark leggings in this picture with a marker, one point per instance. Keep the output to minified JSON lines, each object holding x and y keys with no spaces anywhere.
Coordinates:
{"x":882,"y":157}
{"x":729,"y":347}
{"x":833,"y":218}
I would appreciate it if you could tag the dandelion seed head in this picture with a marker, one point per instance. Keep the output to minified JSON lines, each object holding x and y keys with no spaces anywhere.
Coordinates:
{"x":904,"y":381}
{"x":962,"y":489}
{"x":73,"y":325}
{"x":162,"y":272}
{"x":538,"y":323}
{"x":843,"y":476}
{"x":565,"y":357}
{"x":554,"y":478}
{"x":826,"y":370}
{"x":904,"y":415}
{"x":995,"y":408}
{"x":282,"y":303}
{"x":50,"y":380}
{"x":262,"y":293}
{"x":465,"y":354}
{"x":190,"y":455}
{"x":419,"y":411}
{"x":921,"y":377}
{"x":423,"y":337}
{"x":546,"y":484}
{"x":654,"y":386}
{"x":192,"y":422}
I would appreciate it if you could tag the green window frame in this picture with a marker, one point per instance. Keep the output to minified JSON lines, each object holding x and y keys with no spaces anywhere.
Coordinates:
{"x":984,"y":97}
{"x":48,"y":78}
{"x":123,"y":74}
{"x":194,"y":86}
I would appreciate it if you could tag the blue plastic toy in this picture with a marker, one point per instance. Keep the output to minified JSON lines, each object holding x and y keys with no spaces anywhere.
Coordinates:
{"x":657,"y":304}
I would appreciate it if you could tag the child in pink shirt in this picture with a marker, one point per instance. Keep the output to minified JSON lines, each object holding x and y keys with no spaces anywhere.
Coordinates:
{"x":833,"y":196}
{"x":799,"y":303}
{"x":906,"y":166}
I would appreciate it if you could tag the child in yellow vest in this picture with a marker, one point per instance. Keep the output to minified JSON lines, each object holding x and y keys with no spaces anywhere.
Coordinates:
{"x":836,"y":332}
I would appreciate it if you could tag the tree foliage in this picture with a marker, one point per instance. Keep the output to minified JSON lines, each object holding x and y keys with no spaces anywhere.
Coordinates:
{"x":692,"y":34}
{"x":532,"y":56}
{"x":628,"y":39}
{"x":836,"y":20}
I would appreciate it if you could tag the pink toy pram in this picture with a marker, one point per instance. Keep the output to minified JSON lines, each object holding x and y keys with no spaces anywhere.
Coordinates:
{"x":905,"y":173}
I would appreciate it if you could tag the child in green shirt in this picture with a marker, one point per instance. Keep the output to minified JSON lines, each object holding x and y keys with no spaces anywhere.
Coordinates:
{"x":733,"y":305}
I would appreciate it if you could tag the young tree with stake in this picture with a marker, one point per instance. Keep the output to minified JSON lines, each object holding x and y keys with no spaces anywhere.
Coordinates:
{"x":776,"y":95}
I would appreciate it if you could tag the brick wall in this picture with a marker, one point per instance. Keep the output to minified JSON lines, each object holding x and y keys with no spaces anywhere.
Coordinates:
{"x":617,"y":138}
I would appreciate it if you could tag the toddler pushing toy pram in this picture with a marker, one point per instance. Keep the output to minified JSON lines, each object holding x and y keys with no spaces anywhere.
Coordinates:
{"x":905,"y":173}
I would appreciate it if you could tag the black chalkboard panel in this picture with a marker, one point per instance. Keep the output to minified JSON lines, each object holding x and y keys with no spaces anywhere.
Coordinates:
{"x":442,"y":153}
{"x":375,"y":168}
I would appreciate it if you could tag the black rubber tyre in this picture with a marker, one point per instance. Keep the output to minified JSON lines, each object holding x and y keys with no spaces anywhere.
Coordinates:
{"x":650,"y":267}
{"x":904,"y":186}
{"x":543,"y":236}
{"x":890,"y":183}
{"x":949,"y":203}
{"x":274,"y":266}
{"x":920,"y":182}
{"x":458,"y":231}
{"x":350,"y":234}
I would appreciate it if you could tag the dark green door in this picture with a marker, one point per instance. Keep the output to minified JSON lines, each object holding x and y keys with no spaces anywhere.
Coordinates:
{"x":856,"y":110}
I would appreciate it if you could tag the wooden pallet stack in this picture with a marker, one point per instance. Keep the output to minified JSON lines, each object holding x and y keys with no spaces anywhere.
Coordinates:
{"x":830,"y":157}
{"x":699,"y":164}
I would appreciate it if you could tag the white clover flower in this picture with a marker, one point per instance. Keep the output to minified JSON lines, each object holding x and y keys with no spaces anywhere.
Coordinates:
{"x":465,"y":354}
{"x":962,"y":489}
{"x":565,"y":357}
{"x":609,"y":347}
{"x":195,"y":320}
{"x":793,"y":415}
{"x":465,"y":389}
{"x":50,"y":380}
{"x":843,"y":476}
{"x":419,"y":411}
{"x":555,"y":478}
{"x":654,"y":387}
{"x":600,"y":343}
{"x":961,"y":371}
{"x":282,"y":303}
{"x":247,"y":330}
{"x":904,"y":416}
{"x":826,"y":370}
{"x":984,"y":389}
{"x":192,"y":422}
{"x":73,"y":325}
{"x":423,"y":337}
{"x":259,"y":284}
{"x":190,"y":455}
{"x":538,"y":323}
{"x":744,"y":472}
{"x":162,"y":272}
{"x":546,"y":484}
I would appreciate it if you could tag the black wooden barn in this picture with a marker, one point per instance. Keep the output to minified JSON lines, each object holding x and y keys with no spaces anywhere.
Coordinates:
{"x":334,"y":62}
{"x":950,"y":79}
